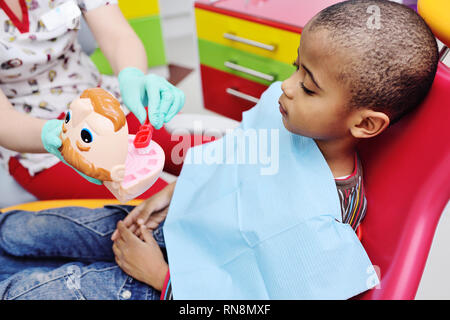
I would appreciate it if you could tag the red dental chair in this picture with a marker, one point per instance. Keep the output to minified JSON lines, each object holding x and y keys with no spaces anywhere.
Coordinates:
{"x":407,"y":179}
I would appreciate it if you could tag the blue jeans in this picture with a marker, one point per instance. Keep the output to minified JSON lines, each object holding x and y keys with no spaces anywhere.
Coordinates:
{"x":66,"y":253}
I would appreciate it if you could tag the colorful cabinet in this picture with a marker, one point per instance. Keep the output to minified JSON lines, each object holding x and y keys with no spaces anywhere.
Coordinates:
{"x":245,"y":45}
{"x":144,"y":18}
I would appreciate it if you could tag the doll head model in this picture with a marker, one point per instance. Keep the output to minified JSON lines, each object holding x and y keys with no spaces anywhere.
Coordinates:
{"x":95,"y":136}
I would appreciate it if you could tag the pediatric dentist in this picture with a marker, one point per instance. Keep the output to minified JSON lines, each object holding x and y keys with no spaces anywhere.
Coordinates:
{"x":42,"y":69}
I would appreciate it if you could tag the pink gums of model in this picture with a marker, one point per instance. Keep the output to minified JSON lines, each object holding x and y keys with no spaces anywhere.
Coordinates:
{"x":141,"y":171}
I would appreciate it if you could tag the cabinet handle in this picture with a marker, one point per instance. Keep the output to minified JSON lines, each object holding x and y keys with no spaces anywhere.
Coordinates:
{"x":249,"y":42}
{"x":249,"y":71}
{"x":241,"y":95}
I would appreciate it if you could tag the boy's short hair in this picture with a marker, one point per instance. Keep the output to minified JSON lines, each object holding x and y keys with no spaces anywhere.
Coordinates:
{"x":394,"y":58}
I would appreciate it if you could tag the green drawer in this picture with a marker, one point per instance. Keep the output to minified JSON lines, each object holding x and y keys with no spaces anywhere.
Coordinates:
{"x":216,"y":56}
{"x":149,"y":31}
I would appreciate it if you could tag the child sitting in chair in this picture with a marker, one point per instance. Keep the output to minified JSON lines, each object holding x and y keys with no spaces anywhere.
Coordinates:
{"x":361,"y":66}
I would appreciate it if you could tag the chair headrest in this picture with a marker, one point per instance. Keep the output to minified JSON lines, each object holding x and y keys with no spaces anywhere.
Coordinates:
{"x":436,"y":13}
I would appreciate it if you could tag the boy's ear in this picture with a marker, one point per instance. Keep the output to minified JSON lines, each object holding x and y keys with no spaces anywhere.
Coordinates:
{"x":369,"y":123}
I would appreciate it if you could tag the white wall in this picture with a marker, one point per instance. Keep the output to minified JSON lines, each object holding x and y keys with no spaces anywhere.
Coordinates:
{"x":177,"y":17}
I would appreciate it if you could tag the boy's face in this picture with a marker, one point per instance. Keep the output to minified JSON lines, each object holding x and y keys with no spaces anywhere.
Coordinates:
{"x":314,"y":102}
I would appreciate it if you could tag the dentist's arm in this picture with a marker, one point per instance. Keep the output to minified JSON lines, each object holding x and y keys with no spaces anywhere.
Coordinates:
{"x":18,"y":131}
{"x":115,"y":37}
{"x":23,"y":133}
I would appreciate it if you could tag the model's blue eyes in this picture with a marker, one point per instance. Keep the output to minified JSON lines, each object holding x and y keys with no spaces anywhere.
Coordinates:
{"x":86,"y":135}
{"x":68,"y":117}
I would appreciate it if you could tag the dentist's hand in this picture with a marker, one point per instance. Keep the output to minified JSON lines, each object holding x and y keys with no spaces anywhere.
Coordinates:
{"x":139,"y":90}
{"x":50,"y":134}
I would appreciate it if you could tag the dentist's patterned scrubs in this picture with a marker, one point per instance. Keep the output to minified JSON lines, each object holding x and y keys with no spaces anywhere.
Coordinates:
{"x":42,"y":70}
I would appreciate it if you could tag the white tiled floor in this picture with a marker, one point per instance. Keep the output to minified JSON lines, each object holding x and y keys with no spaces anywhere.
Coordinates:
{"x":187,"y":57}
{"x":435,"y":282}
{"x":183,"y":51}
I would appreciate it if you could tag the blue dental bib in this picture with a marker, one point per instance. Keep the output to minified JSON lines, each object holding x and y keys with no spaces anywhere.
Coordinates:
{"x":233,"y":232}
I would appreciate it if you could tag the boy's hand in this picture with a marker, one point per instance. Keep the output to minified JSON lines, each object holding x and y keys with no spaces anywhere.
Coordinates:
{"x":149,"y":213}
{"x":142,"y":260}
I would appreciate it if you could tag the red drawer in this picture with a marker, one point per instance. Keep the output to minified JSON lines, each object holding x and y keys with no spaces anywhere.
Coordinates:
{"x":228,"y":94}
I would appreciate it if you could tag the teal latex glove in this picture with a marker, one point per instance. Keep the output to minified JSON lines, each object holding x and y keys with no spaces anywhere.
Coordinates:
{"x":139,"y":90}
{"x":50,"y":134}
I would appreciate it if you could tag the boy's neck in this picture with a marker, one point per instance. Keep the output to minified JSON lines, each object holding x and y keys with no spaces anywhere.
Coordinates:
{"x":339,"y":154}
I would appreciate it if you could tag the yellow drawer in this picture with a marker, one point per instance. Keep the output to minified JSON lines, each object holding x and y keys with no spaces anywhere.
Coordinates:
{"x":247,"y":36}
{"x":138,"y":8}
